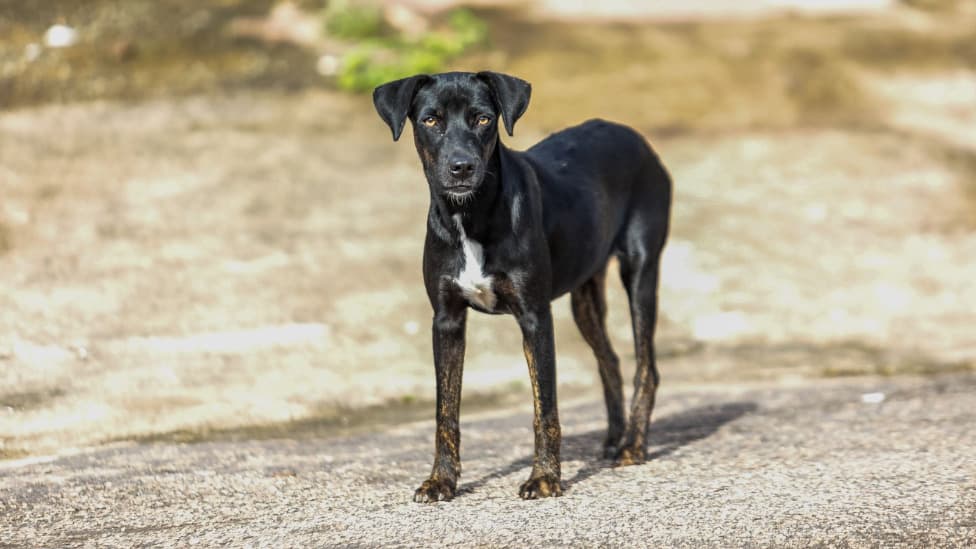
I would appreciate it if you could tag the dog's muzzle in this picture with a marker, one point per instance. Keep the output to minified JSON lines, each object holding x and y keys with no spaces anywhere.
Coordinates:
{"x":462,"y":167}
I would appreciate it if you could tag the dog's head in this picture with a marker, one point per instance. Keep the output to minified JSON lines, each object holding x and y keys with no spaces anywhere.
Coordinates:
{"x":455,"y":122}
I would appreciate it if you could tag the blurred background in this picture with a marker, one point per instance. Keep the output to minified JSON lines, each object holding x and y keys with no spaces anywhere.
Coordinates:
{"x":205,"y":230}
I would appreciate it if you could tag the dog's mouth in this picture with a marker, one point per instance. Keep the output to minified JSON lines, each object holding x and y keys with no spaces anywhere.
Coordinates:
{"x":460,"y":191}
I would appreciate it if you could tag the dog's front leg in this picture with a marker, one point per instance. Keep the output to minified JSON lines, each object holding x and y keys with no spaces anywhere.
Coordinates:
{"x":538,"y":344}
{"x":448,"y":332}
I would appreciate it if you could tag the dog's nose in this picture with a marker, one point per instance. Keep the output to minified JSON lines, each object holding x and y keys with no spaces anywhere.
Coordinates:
{"x":462,"y":168}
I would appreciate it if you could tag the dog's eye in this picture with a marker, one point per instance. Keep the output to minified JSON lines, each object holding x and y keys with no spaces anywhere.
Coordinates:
{"x":484,"y":120}
{"x":430,"y":121}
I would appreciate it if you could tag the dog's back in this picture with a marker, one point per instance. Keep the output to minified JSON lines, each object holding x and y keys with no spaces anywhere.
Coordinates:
{"x":594,"y":177}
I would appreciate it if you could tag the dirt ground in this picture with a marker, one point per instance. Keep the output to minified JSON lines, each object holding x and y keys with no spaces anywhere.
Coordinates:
{"x":185,"y":265}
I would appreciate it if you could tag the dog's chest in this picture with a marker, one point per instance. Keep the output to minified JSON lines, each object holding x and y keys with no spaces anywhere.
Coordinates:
{"x":475,"y":285}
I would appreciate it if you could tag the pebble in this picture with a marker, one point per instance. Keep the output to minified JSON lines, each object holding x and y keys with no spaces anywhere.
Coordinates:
{"x":60,"y":36}
{"x":872,"y":398}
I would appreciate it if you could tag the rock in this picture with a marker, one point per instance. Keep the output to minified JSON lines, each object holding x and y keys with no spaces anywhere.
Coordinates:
{"x":60,"y":36}
{"x":872,"y":398}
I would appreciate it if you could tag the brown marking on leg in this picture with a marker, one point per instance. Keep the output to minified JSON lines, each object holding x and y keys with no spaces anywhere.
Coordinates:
{"x":641,"y":283}
{"x":590,"y":313}
{"x":448,"y":338}
{"x":538,"y":345}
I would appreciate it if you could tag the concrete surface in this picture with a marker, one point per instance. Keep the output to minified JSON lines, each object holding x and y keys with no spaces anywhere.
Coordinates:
{"x":866,"y":462}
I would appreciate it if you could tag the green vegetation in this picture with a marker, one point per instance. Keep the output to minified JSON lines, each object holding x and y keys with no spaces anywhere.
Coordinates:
{"x":383,"y":55}
{"x":350,"y":22}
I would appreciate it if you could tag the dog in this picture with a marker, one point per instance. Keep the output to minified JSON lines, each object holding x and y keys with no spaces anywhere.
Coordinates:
{"x":508,"y":232}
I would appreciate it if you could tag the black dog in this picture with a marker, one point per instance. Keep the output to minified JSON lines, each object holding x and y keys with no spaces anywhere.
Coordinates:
{"x":508,"y":232}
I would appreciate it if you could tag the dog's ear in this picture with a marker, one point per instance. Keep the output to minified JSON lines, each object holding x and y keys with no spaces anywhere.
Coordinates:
{"x":511,"y":93}
{"x":392,"y":101}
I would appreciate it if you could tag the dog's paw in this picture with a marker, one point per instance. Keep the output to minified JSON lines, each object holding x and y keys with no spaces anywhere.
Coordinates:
{"x":542,"y":486}
{"x":611,"y":447}
{"x":630,"y":455}
{"x":434,"y":490}
{"x":613,"y":440}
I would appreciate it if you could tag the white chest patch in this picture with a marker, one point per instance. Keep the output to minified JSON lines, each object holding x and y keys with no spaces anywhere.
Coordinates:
{"x":474,"y":284}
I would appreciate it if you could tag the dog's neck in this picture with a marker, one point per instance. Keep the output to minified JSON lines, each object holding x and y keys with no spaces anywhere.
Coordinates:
{"x":479,"y":213}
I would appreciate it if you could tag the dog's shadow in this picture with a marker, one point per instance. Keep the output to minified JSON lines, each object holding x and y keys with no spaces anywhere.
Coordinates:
{"x":666,"y":435}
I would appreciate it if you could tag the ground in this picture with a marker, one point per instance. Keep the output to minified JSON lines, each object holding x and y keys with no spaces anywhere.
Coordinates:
{"x":838,"y":463}
{"x":232,"y":259}
{"x":170,"y":257}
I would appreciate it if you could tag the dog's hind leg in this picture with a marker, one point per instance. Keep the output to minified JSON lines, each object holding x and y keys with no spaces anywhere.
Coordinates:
{"x":589,"y":306}
{"x":641,"y":244}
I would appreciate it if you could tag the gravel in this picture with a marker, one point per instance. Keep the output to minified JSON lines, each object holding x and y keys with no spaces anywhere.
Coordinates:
{"x":807,"y":464}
